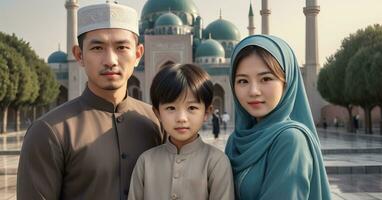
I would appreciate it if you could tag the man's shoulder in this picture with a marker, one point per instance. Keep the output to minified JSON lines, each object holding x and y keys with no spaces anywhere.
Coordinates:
{"x":61,"y":112}
{"x":142,"y":108}
{"x":138,"y":104}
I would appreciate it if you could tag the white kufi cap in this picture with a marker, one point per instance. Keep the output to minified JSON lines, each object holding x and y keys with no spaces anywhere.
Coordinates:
{"x":107,"y":15}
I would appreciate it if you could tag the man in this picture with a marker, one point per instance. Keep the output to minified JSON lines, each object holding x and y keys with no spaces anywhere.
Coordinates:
{"x":87,"y":148}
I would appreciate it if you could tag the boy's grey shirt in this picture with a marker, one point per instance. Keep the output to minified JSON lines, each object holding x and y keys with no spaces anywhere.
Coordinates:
{"x":199,"y":171}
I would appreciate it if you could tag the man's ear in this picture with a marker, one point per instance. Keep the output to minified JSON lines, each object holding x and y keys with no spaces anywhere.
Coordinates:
{"x":139,"y":53}
{"x":77,"y":53}
{"x":156,"y":112}
{"x":208,"y":112}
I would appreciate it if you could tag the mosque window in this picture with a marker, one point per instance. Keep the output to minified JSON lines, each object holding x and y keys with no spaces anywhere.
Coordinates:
{"x":213,"y":60}
{"x":206,"y":60}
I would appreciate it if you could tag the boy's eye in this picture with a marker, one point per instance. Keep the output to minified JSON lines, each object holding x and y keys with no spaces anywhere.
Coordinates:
{"x":193,"y":108}
{"x":170,"y":108}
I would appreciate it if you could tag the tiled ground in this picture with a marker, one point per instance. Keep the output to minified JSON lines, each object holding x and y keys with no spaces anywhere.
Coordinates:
{"x":343,"y":186}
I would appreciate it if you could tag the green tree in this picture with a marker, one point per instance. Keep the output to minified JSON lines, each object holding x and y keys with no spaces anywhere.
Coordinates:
{"x":340,"y":61}
{"x":47,"y":84}
{"x":49,"y":87}
{"x":375,"y":83}
{"x":27,"y":92}
{"x":357,"y":87}
{"x":331,"y":84}
{"x":4,"y":78}
{"x":13,"y":61}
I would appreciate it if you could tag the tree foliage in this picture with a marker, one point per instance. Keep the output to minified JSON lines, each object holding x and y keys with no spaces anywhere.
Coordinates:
{"x":345,"y":78}
{"x":4,"y":78}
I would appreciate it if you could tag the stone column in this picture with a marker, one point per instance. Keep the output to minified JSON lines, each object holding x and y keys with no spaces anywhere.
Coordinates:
{"x":312,"y":65}
{"x":265,"y":12}
{"x":76,"y":75}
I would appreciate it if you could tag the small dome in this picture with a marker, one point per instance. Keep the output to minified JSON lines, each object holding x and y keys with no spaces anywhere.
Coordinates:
{"x":209,"y":48}
{"x":58,"y":57}
{"x":222,"y":29}
{"x":168,"y":19}
{"x":154,"y":6}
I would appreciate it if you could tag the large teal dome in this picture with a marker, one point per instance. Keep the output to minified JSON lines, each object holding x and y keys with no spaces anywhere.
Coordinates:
{"x":153,"y":6}
{"x":209,"y":48}
{"x":58,"y":57}
{"x":222,"y":29}
{"x":168,"y":19}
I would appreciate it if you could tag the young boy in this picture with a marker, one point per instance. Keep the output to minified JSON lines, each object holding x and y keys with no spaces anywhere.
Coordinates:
{"x":184,"y":167}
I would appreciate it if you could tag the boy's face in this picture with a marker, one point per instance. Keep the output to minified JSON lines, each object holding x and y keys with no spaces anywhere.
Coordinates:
{"x":183,"y":118}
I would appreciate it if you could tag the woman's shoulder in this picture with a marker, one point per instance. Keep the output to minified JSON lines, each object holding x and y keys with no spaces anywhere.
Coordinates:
{"x":292,"y":136}
{"x":290,"y":141}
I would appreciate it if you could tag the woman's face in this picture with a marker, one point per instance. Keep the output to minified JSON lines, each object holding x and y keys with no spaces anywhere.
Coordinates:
{"x":257,"y":89}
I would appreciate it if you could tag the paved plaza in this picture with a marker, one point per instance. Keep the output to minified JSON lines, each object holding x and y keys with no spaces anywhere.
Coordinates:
{"x":353,"y":163}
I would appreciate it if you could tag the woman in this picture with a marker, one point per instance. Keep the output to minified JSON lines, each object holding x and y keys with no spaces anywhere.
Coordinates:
{"x":274,"y":149}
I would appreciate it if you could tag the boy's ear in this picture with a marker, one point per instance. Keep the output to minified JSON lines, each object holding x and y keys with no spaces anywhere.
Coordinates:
{"x":208,"y":112}
{"x":156,"y":112}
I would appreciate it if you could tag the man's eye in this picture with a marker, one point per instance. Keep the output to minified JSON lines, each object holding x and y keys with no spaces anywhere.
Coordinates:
{"x":123,"y":47}
{"x":96,"y":48}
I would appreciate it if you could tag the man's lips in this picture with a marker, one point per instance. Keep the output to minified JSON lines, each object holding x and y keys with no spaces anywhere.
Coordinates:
{"x":110,"y":73}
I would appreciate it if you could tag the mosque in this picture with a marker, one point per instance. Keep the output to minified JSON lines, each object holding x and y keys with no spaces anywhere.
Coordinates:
{"x":172,"y":31}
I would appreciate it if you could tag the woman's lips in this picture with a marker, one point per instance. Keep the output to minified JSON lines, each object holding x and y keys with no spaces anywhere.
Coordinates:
{"x":255,"y":104}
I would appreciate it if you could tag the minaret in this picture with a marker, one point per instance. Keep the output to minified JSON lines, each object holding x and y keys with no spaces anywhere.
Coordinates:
{"x":251,"y":21}
{"x":312,"y":65}
{"x":265,"y":12}
{"x":76,"y":77}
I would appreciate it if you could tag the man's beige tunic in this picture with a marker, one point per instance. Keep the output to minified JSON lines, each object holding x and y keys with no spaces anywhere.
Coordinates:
{"x":85,"y":149}
{"x":198,"y":172}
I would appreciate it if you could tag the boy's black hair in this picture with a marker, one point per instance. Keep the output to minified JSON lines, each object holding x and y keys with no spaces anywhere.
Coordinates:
{"x":173,"y":80}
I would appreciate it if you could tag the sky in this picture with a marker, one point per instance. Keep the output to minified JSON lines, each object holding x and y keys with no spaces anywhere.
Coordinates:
{"x":42,"y":23}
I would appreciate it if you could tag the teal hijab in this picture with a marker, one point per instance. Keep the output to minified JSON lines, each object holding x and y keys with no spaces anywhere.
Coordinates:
{"x":251,"y":139}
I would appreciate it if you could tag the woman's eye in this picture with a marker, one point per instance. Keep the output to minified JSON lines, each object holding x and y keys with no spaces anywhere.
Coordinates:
{"x":265,"y":79}
{"x":241,"y":81}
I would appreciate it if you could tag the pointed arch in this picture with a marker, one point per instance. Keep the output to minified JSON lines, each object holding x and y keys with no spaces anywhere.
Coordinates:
{"x":218,"y":99}
{"x":133,"y":88}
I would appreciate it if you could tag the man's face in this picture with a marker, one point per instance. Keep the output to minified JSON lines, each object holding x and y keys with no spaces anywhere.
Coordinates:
{"x":108,"y":57}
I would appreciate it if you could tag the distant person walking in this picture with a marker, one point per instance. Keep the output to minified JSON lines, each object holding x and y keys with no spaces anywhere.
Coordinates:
{"x":215,"y":123}
{"x":225,"y":119}
{"x":335,"y":122}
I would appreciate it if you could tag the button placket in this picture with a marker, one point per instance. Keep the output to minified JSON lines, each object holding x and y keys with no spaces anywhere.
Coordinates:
{"x":177,"y":175}
{"x":120,"y":119}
